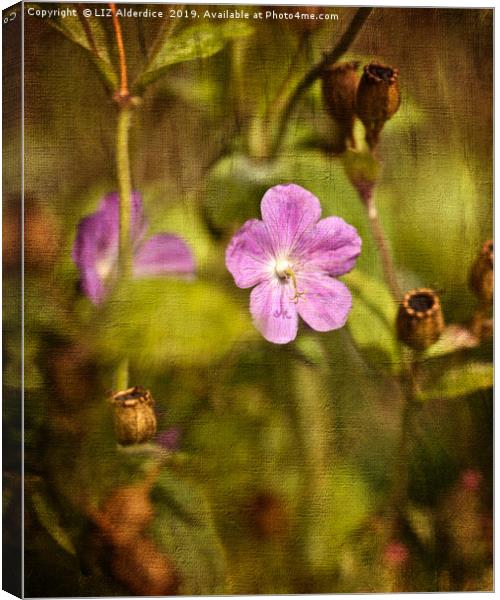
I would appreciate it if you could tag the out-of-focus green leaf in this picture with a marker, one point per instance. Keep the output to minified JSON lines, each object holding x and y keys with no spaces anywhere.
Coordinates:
{"x":372,"y":319}
{"x":197,"y":41}
{"x":92,"y":37}
{"x":157,"y":322}
{"x":460,"y":381}
{"x":184,"y":528}
{"x":49,"y":518}
{"x":453,"y":339}
{"x":337,"y":512}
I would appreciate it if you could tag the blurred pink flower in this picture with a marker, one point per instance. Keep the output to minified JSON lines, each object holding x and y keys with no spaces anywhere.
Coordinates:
{"x":396,"y":554}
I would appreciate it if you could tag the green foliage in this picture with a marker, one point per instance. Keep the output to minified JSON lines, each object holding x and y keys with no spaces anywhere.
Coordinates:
{"x":340,"y":505}
{"x":89,"y":34}
{"x":460,"y":381}
{"x":49,"y":518}
{"x":183,"y":528}
{"x":160,"y":322}
{"x":194,"y":42}
{"x":372,"y":319}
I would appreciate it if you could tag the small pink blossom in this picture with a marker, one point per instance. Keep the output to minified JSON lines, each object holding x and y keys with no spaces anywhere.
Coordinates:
{"x":396,"y":554}
{"x":292,"y":258}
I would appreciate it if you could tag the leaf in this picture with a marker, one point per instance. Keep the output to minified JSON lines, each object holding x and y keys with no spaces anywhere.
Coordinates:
{"x":197,"y":41}
{"x":372,"y":319}
{"x":161,"y":321}
{"x":454,"y":338}
{"x":49,"y":518}
{"x":336,"y":513}
{"x":460,"y":381}
{"x":184,"y":528}
{"x":93,"y":40}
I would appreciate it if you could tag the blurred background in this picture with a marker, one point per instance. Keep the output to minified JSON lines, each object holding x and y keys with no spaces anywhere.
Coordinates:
{"x":282,"y":460}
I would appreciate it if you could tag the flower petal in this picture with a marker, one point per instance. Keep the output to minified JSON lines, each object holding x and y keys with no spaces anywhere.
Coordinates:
{"x":164,"y":254}
{"x":249,"y":254}
{"x":326,"y":302}
{"x":288,"y":212}
{"x":95,"y":251}
{"x":274,"y":314}
{"x":332,"y":246}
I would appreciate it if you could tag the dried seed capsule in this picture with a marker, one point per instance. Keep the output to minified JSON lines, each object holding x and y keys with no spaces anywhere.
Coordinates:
{"x":420,"y":319}
{"x":134,"y":416}
{"x":481,"y":275}
{"x":377,"y":99}
{"x":339,"y":84}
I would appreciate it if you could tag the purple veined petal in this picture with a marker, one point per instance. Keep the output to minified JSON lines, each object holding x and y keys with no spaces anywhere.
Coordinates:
{"x":163,"y":254}
{"x":273,"y":312}
{"x":326,"y":302}
{"x":331,"y":246}
{"x":249,"y":254}
{"x":288,"y":212}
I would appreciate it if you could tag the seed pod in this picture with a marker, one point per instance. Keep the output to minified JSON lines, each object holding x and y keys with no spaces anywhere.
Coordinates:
{"x":377,"y":99}
{"x":340,"y":82}
{"x":481,"y":274}
{"x":420,"y":319}
{"x":134,"y":416}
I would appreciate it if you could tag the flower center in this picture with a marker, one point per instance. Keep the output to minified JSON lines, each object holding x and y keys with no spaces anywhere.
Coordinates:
{"x":283,"y":269}
{"x":104,"y":266}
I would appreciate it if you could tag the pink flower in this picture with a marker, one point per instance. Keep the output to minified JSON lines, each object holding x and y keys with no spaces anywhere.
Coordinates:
{"x":396,"y":554}
{"x":292,"y":259}
{"x":95,"y":251}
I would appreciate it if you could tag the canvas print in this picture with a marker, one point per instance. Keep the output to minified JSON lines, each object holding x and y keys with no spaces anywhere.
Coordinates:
{"x":248,"y":288}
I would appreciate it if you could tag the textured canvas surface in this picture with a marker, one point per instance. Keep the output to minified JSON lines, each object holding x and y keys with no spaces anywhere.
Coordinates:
{"x":258,"y":336}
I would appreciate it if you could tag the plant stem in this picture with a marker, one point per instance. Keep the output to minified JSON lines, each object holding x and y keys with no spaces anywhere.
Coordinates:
{"x":382,"y":246}
{"x":315,"y":72}
{"x":410,"y":377}
{"x":124,"y":189}
{"x":124,"y":180}
{"x":121,"y":375}
{"x":123,"y":92}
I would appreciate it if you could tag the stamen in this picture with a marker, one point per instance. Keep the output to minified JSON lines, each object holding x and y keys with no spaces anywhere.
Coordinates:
{"x":291,"y":275}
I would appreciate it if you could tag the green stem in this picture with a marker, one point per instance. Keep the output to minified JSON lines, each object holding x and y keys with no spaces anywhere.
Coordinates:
{"x":382,"y":247}
{"x":125,"y":193}
{"x":124,"y":189}
{"x":121,"y":375}
{"x":410,"y":377}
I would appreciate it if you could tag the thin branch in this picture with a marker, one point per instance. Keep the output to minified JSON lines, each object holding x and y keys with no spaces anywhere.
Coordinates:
{"x":124,"y":92}
{"x":314,"y":73}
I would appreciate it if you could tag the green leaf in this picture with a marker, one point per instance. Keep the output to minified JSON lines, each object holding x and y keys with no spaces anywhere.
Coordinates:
{"x":92,"y":39}
{"x":454,"y":338}
{"x":49,"y":518}
{"x":158,"y":321}
{"x":184,"y":528}
{"x":372,"y":319}
{"x":336,"y":513}
{"x":460,"y":381}
{"x":197,"y":41}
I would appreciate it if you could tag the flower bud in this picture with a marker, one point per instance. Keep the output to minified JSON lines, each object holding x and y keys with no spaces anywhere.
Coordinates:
{"x":420,"y":319}
{"x":340,"y":82}
{"x":134,"y":416}
{"x":481,"y":275}
{"x":377,"y":99}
